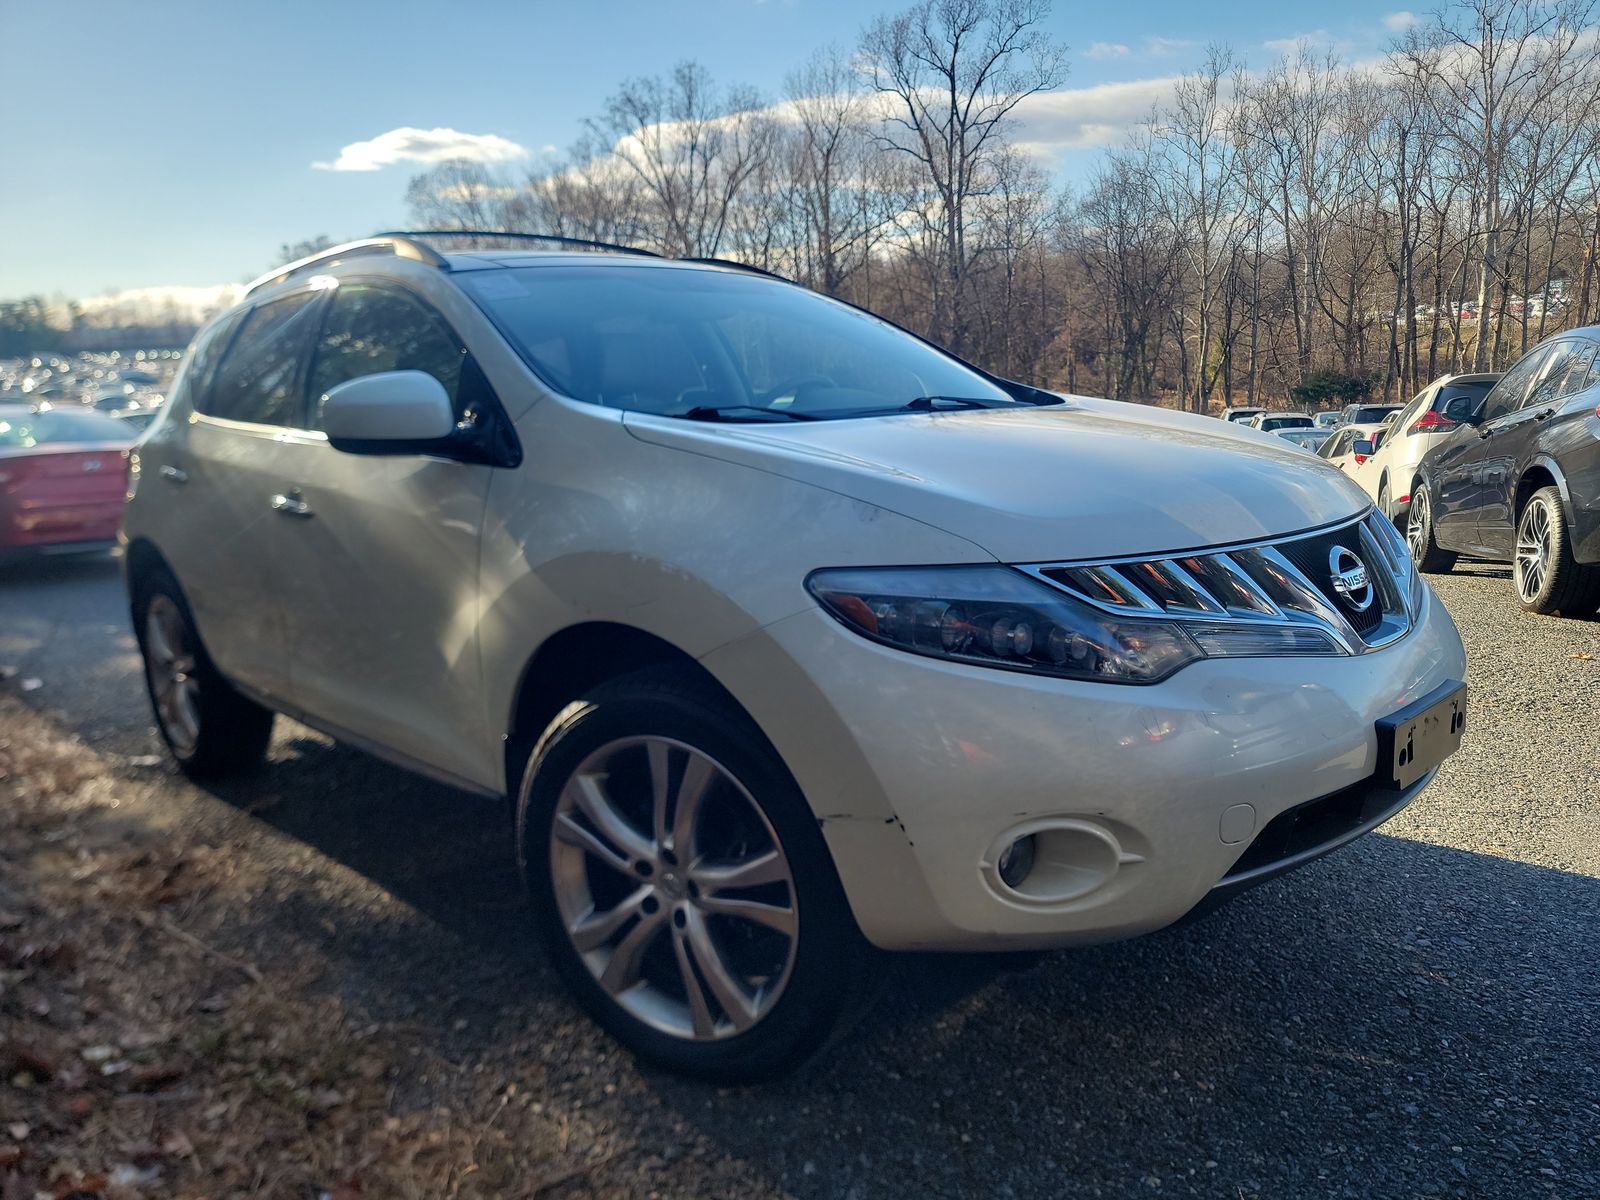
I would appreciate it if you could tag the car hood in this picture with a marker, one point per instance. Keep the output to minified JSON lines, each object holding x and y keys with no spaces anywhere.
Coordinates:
{"x":1082,"y":480}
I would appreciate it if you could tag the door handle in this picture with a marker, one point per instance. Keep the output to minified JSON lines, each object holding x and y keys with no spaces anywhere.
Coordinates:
{"x":290,"y":504}
{"x":174,"y":474}
{"x":1544,"y":414}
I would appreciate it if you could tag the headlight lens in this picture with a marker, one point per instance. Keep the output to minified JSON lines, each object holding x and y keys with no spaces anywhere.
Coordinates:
{"x":999,"y":617}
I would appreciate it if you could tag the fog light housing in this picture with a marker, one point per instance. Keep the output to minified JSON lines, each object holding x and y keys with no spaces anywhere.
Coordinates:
{"x":1016,"y":861}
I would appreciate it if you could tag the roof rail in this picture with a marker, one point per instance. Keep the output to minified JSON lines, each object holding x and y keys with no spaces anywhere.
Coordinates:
{"x":398,"y":245}
{"x":520,"y":237}
{"x":735,"y":265}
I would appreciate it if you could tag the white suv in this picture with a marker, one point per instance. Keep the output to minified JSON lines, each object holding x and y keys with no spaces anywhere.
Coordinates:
{"x":789,"y":634}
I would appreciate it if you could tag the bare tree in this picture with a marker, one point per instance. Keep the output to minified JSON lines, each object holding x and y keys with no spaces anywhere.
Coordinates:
{"x":953,"y":71}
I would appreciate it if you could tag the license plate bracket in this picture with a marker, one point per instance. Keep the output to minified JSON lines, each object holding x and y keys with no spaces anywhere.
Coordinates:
{"x":1420,"y":736}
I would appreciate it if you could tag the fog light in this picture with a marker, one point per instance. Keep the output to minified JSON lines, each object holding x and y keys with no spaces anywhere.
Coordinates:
{"x":1016,"y":861}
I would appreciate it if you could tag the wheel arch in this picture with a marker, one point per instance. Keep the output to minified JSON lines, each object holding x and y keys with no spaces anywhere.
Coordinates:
{"x":1541,"y":472}
{"x":575,"y":660}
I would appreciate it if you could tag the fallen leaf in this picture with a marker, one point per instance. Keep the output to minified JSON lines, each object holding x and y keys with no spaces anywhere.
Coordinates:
{"x":1582,"y":656}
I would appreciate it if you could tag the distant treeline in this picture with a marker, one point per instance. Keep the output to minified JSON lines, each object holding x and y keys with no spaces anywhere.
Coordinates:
{"x":27,"y":328}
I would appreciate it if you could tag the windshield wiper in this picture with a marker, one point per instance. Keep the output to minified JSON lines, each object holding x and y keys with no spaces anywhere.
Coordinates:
{"x":948,"y":403}
{"x":725,"y":412}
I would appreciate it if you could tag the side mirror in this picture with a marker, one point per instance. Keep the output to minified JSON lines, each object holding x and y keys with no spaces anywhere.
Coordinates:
{"x":1463,"y":410}
{"x":1365,"y":448}
{"x":395,"y":412}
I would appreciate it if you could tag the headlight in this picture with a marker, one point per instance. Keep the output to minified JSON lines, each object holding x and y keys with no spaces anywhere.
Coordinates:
{"x":998,"y":617}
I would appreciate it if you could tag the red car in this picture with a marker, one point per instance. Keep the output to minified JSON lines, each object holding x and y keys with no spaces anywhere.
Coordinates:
{"x":63,"y":478}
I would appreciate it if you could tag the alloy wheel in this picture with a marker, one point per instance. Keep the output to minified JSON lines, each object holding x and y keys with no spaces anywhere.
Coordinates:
{"x":170,"y":660}
{"x":1417,"y":525}
{"x":673,"y":888}
{"x":1532,"y":563}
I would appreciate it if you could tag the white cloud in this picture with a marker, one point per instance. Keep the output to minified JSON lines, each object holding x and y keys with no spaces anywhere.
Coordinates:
{"x":1083,"y":118}
{"x":1399,"y":22}
{"x":422,"y":145}
{"x":190,"y":303}
{"x":1299,"y":42}
{"x":1107,"y":50}
{"x":1166,"y":47}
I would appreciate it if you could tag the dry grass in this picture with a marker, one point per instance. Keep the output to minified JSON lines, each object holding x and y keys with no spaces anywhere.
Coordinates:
{"x":137,"y":1059}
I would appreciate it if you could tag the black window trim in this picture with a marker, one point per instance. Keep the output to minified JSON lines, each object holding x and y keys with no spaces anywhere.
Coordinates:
{"x":496,"y":445}
{"x":245,"y":312}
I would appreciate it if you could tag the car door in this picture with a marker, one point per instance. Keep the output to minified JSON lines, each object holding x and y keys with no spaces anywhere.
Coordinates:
{"x":224,"y":472}
{"x":383,"y":554}
{"x":1460,"y":472}
{"x":1508,"y":440}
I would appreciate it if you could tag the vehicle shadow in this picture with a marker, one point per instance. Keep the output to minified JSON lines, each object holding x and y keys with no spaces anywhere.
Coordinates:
{"x":1401,"y":1019}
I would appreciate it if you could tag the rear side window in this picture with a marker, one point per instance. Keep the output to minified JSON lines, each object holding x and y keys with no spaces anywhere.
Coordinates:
{"x":371,"y":329}
{"x":193,"y":380}
{"x":258,"y":380}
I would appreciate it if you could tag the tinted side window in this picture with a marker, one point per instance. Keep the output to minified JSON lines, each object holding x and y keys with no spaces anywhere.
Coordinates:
{"x":258,"y":379}
{"x":195,"y":377}
{"x":1575,"y":375}
{"x":1512,"y":390}
{"x":1548,"y":386}
{"x":371,"y":329}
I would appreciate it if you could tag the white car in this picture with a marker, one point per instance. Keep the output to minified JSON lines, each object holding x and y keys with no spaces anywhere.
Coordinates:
{"x":1350,"y":448}
{"x":789,"y":634}
{"x":1432,"y":415}
{"x":1271,"y":422}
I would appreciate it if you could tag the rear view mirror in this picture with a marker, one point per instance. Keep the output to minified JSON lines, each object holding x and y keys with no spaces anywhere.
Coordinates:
{"x":394,"y":412}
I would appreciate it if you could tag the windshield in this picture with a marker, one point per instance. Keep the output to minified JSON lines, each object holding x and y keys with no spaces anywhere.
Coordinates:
{"x":715,"y":345}
{"x":41,"y":428}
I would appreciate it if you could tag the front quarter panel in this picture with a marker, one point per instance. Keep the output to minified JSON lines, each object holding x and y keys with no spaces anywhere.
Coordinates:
{"x":599,"y":526}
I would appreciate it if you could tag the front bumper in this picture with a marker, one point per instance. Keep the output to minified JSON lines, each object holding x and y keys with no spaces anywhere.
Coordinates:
{"x":920,"y":771}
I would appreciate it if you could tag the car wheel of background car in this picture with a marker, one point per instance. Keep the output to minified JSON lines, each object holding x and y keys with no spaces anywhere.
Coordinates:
{"x":681,"y":884}
{"x":210,"y":728}
{"x":1384,"y":505}
{"x":1547,"y":578}
{"x":1425,"y":551}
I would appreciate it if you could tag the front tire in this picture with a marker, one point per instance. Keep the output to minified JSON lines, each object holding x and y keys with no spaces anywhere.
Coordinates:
{"x":681,"y":885}
{"x":1547,"y":578}
{"x":1425,"y":551}
{"x":210,"y":728}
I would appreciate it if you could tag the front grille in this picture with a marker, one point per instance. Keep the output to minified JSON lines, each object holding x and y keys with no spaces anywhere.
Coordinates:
{"x":1310,"y":556}
{"x":1294,"y":581}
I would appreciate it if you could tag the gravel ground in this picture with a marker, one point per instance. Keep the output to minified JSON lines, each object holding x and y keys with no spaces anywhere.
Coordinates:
{"x":1414,"y":1016}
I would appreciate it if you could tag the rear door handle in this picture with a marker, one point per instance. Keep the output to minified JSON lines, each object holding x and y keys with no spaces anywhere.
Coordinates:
{"x":174,"y":474}
{"x":290,"y":504}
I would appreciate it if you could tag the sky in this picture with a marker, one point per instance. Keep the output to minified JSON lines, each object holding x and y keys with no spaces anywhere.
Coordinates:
{"x":179,"y":143}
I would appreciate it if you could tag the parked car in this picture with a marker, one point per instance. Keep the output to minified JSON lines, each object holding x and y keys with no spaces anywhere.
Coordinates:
{"x":777,"y":623}
{"x":1243,"y":415}
{"x":1351,"y":447}
{"x":1365,"y":414}
{"x":1430,"y":417}
{"x":1519,"y":480}
{"x":1271,"y":422}
{"x":1326,"y":419}
{"x":1306,"y":439}
{"x":63,"y":479}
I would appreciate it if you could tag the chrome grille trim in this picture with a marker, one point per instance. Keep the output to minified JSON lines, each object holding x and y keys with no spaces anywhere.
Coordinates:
{"x":1269,"y":588}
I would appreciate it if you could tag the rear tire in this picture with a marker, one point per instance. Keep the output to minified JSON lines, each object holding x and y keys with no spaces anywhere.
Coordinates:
{"x":1547,"y":578}
{"x":638,"y":904}
{"x":211,"y":729}
{"x":1425,"y":551}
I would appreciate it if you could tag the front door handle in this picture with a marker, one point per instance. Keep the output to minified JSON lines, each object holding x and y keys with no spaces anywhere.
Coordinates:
{"x":1544,"y":414}
{"x":174,"y":474}
{"x":290,"y":504}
